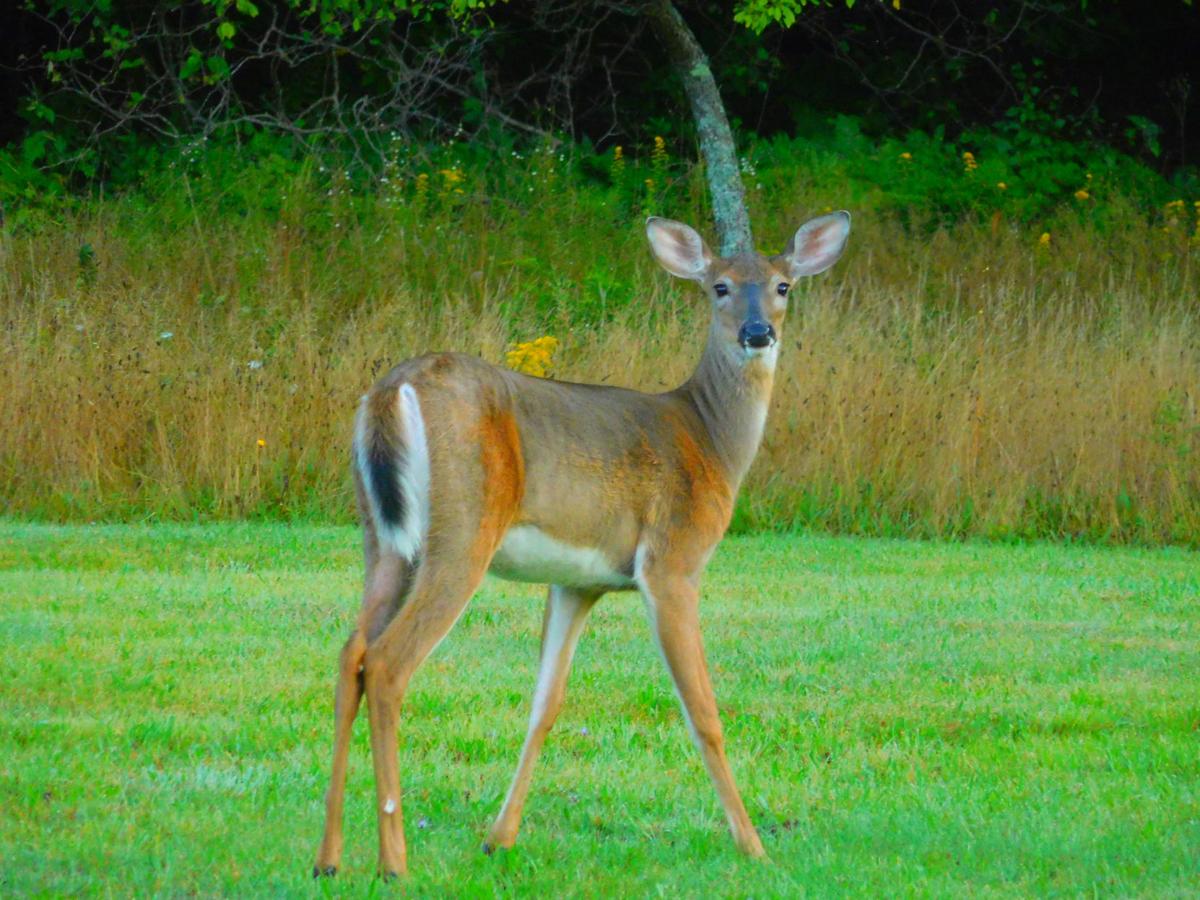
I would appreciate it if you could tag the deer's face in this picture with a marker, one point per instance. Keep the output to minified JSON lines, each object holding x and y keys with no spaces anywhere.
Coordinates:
{"x":749,"y":296}
{"x":749,"y":292}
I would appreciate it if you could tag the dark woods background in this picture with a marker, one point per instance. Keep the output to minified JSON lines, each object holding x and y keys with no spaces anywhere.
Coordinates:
{"x":95,"y":76}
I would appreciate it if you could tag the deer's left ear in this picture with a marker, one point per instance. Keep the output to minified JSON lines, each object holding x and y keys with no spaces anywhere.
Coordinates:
{"x":818,"y":244}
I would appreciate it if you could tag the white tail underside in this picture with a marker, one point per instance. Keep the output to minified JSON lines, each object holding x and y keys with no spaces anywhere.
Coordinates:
{"x":412,"y":476}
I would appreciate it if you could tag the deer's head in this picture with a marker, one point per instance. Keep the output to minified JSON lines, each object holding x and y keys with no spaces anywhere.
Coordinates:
{"x":749,"y":291}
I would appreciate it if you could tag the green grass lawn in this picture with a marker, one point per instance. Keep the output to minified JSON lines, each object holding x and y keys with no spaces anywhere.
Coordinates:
{"x":903,"y":718}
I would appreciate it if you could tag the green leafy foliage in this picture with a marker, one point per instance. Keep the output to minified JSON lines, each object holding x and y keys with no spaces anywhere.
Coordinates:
{"x":1019,"y":172}
{"x":759,"y":15}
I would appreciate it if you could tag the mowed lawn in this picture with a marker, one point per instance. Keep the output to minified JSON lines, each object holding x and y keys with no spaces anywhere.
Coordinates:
{"x":903,"y":719}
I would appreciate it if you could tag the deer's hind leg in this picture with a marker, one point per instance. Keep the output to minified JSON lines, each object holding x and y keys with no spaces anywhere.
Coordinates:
{"x":387,"y":580}
{"x":444,"y":583}
{"x":470,"y":509}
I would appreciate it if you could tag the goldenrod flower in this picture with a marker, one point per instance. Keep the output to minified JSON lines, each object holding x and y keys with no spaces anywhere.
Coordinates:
{"x":534,"y":357}
{"x":261,"y":443}
{"x":659,"y":158}
{"x":451,"y":179}
{"x":969,"y":163}
{"x":1044,"y":240}
{"x":1081,"y":194}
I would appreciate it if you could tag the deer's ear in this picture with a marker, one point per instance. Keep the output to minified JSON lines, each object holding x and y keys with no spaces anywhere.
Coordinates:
{"x":678,"y":248}
{"x":818,"y":244}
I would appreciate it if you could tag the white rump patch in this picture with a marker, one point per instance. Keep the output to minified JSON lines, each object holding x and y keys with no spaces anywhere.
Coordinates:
{"x":529,"y":554}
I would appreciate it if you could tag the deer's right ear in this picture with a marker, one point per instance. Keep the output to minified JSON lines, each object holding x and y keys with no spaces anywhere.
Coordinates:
{"x":678,"y":248}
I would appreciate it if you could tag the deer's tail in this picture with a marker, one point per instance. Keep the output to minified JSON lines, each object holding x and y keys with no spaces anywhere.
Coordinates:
{"x":391,"y":455}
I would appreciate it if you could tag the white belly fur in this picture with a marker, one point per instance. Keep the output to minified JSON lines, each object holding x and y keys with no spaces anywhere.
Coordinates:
{"x":529,"y":554}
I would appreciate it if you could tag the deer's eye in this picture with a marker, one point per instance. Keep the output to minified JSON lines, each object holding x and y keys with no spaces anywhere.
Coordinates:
{"x":721,"y":289}
{"x":782,"y":289}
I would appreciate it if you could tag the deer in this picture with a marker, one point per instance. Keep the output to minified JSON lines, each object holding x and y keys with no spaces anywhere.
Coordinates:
{"x":463,"y":468}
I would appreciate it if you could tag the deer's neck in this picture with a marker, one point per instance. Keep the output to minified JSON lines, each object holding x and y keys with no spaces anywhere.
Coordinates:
{"x":731,"y":394}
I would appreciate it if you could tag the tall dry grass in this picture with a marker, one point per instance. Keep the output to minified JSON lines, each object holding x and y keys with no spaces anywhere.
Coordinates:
{"x":200,"y":362}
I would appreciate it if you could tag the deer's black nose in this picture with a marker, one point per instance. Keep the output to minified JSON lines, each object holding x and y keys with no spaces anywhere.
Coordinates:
{"x":757,"y":334}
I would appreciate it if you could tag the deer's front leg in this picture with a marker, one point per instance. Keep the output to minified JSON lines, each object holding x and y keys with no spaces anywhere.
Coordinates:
{"x":673,"y":604}
{"x":566,"y":611}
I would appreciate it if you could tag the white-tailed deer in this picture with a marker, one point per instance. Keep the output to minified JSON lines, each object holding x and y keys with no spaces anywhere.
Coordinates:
{"x":462,"y":468}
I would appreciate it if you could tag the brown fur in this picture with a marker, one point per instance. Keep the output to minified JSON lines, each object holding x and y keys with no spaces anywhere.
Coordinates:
{"x":711,"y":506}
{"x":503,"y":481}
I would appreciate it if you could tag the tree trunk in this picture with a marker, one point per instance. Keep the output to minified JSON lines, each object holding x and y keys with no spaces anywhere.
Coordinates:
{"x":712,"y":127}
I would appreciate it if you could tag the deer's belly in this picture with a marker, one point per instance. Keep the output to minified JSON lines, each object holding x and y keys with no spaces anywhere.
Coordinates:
{"x":529,"y":554}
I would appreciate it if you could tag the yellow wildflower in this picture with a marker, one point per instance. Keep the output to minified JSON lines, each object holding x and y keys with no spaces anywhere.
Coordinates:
{"x":1081,"y":194}
{"x":658,"y":156}
{"x":451,"y":179}
{"x":969,"y":163}
{"x":1044,"y":240}
{"x":906,"y":155}
{"x":1001,"y":185}
{"x":534,"y":357}
{"x":895,"y":4}
{"x":261,"y":443}
{"x":659,"y":160}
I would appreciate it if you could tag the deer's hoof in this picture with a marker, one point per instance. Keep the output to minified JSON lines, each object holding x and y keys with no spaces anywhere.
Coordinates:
{"x":324,"y":871}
